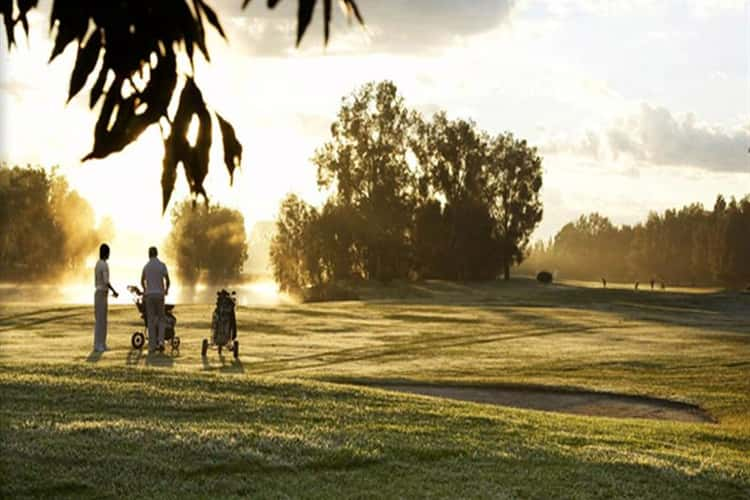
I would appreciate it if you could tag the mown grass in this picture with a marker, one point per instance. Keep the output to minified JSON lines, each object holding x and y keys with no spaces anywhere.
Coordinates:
{"x":274,"y":425}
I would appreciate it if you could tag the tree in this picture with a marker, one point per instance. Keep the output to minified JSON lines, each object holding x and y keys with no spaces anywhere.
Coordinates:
{"x":411,"y":198}
{"x":338,"y":232}
{"x":491,"y":191}
{"x":689,"y":246}
{"x":138,"y":42}
{"x":291,"y":253}
{"x":366,"y":161}
{"x":207,"y":242}
{"x":46,"y":229}
{"x":75,"y":219}
{"x":591,"y":248}
{"x":452,"y":164}
{"x":452,"y":157}
{"x":736,"y":259}
{"x":431,"y":240}
{"x":514,"y":181}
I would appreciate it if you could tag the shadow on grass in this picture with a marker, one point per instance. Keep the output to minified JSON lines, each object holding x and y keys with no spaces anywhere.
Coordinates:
{"x":337,"y":462}
{"x":30,"y":322}
{"x":722,"y":310}
{"x":159,"y":359}
{"x":284,"y":438}
{"x":427,"y":318}
{"x":412,"y":347}
{"x":94,"y":356}
{"x":234,"y":365}
{"x":62,"y":489}
{"x":6,"y":319}
{"x":134,"y":357}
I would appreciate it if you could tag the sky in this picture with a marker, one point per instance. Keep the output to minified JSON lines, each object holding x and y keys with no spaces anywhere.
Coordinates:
{"x":634,"y":105}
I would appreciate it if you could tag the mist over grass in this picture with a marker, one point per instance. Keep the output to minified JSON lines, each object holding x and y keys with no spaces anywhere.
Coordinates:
{"x":256,"y":292}
{"x":283,"y":421}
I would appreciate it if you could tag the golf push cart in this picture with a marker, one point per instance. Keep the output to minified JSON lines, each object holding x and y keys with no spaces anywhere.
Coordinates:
{"x":138,"y":339}
{"x":223,"y":325}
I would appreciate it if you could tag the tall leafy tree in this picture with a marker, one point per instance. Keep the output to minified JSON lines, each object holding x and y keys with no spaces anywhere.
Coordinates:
{"x":513,"y":182}
{"x":410,"y":197}
{"x":207,"y":242}
{"x":291,"y":252}
{"x":46,"y":229}
{"x":490,"y":187}
{"x":366,"y":162}
{"x":452,"y":164}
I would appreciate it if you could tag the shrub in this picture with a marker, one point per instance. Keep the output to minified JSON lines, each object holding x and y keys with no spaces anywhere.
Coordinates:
{"x":544,"y":277}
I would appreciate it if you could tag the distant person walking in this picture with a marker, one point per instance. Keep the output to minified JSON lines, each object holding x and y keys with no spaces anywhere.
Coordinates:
{"x":155,"y":283}
{"x":604,"y":283}
{"x":652,"y":283}
{"x":636,"y":284}
{"x":102,"y":288}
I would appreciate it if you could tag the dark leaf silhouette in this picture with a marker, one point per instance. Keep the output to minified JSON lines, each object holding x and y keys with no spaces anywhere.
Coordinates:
{"x":71,"y":24}
{"x":232,"y":147}
{"x":326,"y":20}
{"x":177,"y":148}
{"x":212,"y":17}
{"x":127,"y":126}
{"x":98,"y":88}
{"x":168,"y":173}
{"x":6,"y":9}
{"x":138,"y":41}
{"x":304,"y":16}
{"x":85,"y":62}
{"x":353,"y":10}
{"x":24,"y":6}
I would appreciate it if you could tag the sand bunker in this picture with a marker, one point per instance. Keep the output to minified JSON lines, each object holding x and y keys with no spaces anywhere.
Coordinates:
{"x":563,"y":401}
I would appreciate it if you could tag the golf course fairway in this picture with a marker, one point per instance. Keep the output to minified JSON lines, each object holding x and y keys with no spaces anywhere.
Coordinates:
{"x":315,"y":406}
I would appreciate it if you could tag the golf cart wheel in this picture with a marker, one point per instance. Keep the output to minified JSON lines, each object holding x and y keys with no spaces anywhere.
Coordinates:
{"x":137,"y":340}
{"x":204,"y":347}
{"x":175,"y":343}
{"x":236,"y":349}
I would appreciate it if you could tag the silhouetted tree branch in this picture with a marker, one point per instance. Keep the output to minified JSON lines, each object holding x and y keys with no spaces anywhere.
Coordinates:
{"x":137,"y":43}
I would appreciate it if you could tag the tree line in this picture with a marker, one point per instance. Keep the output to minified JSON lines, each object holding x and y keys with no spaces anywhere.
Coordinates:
{"x":691,"y":245}
{"x":47,"y":230}
{"x":207,"y":244}
{"x":409,"y":198}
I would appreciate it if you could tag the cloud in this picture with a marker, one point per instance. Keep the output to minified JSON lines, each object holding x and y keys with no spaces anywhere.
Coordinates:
{"x":697,"y":8}
{"x":392,"y":26}
{"x":658,"y":137}
{"x":654,"y":136}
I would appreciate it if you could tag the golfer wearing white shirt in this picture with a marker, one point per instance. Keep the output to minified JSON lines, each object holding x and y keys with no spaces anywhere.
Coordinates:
{"x":155,"y":283}
{"x":101,"y":282}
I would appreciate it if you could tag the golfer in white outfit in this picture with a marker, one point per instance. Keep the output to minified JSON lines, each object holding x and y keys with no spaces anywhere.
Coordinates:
{"x":155,"y":283}
{"x":101,"y":282}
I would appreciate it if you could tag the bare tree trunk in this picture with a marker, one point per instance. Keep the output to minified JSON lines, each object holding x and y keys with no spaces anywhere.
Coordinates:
{"x":506,"y":271}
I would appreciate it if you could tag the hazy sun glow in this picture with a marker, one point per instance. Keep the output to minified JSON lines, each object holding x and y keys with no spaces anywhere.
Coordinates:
{"x":537,"y":69}
{"x":257,"y":293}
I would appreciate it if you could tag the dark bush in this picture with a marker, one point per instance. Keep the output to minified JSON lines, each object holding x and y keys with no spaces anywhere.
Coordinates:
{"x":544,"y":277}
